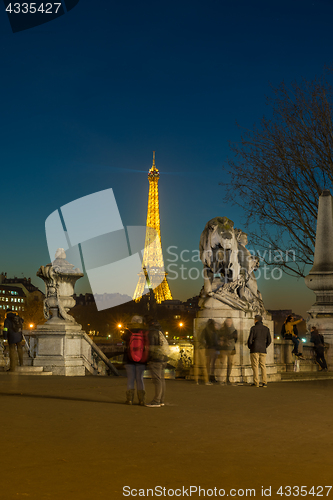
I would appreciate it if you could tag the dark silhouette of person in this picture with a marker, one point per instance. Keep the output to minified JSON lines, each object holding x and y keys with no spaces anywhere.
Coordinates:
{"x":12,"y":332}
{"x":319,"y":348}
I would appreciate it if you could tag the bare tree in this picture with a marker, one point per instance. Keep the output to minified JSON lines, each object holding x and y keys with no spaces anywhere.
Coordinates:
{"x":281,"y":167}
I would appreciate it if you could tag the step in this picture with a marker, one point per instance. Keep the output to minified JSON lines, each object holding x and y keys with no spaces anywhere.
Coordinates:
{"x":304,"y":376}
{"x":30,"y":370}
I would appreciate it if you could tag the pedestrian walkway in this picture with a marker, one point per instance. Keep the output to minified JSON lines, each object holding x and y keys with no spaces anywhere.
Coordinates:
{"x":73,"y":438}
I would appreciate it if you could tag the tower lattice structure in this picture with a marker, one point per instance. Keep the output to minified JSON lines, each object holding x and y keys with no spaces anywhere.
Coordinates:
{"x":153,"y":275}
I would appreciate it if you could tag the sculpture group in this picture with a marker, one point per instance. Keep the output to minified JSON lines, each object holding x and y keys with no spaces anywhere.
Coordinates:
{"x":228,"y":268}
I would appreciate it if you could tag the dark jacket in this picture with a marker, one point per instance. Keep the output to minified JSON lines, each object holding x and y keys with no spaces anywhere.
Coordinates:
{"x":227,"y":338}
{"x":210,"y":336}
{"x":259,"y":338}
{"x":126,"y":338}
{"x":8,"y":331}
{"x":318,"y":340}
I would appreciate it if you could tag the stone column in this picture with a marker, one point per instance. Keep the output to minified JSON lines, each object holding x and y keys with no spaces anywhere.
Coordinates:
{"x":320,"y":278}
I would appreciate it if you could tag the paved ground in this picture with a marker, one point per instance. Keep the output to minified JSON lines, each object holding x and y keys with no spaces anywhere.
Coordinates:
{"x":73,"y":438}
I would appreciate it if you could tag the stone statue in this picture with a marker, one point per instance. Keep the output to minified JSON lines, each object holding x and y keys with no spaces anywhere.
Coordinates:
{"x":59,"y":278}
{"x":228,"y":268}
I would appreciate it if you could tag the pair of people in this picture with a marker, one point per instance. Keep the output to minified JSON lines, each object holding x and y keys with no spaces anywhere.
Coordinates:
{"x":145,"y":344}
{"x":214,"y":342}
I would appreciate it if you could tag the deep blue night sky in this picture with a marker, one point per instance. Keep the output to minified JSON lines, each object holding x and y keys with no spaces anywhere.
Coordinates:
{"x":87,"y":97}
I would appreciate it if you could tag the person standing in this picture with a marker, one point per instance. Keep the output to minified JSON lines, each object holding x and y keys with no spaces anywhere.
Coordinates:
{"x":227,"y":341}
{"x":258,"y":341}
{"x":319,"y":348}
{"x":210,"y":337}
{"x":157,"y":361}
{"x":135,"y":358}
{"x":12,"y":332}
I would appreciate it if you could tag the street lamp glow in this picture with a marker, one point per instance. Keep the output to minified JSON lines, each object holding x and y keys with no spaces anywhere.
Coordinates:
{"x":181,"y":324}
{"x":119,"y":325}
{"x":31,"y":325}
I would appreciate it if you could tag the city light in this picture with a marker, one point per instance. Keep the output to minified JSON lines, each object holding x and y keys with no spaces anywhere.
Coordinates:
{"x":119,"y":325}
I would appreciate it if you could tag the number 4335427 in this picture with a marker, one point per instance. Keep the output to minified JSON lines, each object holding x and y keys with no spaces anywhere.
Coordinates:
{"x":32,"y":8}
{"x":303,"y":491}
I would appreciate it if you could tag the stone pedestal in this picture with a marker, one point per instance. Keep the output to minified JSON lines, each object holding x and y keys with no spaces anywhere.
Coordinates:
{"x":60,"y":345}
{"x":243,"y":321}
{"x":61,"y":350}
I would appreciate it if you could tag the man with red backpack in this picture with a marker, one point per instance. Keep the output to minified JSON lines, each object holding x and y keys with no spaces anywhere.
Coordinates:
{"x":135,"y":358}
{"x":12,"y":332}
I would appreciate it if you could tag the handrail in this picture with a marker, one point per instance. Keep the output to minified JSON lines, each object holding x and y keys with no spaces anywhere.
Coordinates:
{"x":100,"y":354}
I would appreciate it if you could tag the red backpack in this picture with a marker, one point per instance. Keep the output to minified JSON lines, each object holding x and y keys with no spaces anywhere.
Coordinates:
{"x":138,"y":348}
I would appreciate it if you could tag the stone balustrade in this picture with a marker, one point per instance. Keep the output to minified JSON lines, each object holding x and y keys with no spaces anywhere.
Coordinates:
{"x":285,"y":361}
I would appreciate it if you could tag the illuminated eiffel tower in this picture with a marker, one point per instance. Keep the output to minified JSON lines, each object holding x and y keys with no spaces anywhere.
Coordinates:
{"x":153,"y":275}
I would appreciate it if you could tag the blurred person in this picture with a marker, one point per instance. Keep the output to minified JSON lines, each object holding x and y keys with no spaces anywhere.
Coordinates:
{"x":135,"y":358}
{"x":157,"y":360}
{"x":210,"y":336}
{"x":289,"y":332}
{"x":258,"y":341}
{"x":200,"y":361}
{"x":227,"y":341}
{"x":12,"y":332}
{"x":319,"y":348}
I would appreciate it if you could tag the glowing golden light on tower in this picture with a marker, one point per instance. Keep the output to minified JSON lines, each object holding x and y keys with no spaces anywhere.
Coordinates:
{"x":153,"y":274}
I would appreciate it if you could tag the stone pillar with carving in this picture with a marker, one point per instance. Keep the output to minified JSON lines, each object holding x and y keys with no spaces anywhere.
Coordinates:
{"x":320,"y":278}
{"x":59,"y":345}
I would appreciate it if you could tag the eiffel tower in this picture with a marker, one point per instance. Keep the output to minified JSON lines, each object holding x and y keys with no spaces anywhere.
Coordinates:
{"x":153,"y":275}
